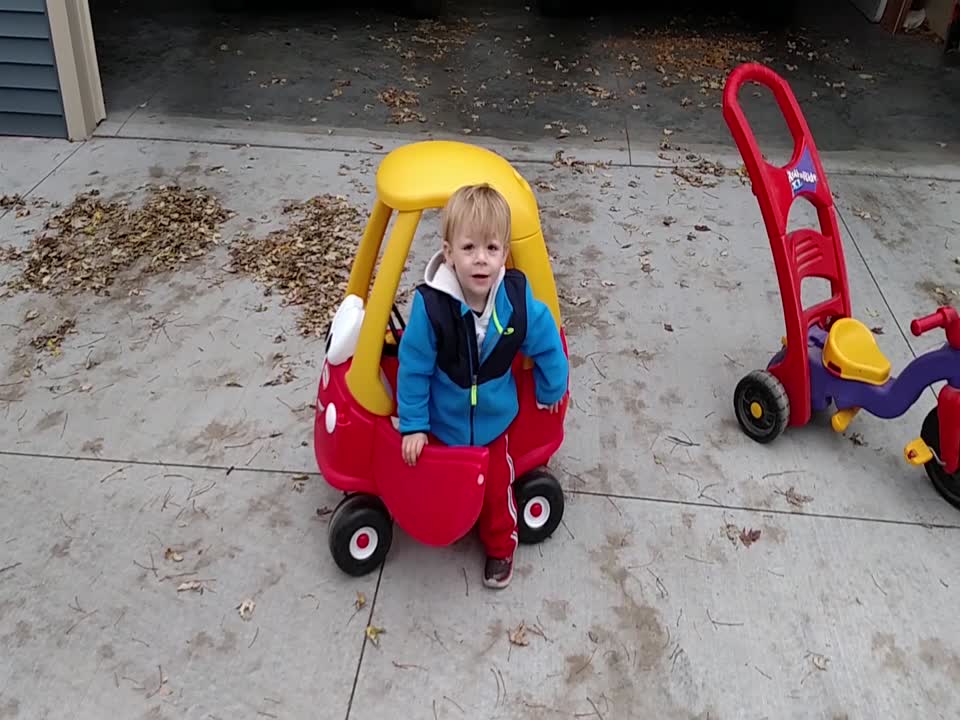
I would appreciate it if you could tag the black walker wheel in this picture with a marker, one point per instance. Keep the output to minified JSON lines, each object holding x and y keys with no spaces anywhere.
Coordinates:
{"x":762,"y":406}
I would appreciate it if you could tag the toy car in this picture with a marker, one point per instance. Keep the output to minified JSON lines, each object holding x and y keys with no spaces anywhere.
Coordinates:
{"x":356,"y":440}
{"x":827,"y":355}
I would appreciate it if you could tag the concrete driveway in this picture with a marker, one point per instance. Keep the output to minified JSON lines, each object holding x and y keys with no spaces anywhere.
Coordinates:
{"x":154,"y":478}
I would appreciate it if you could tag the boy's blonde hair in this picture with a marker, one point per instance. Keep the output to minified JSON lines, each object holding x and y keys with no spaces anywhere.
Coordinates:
{"x":480,"y":208}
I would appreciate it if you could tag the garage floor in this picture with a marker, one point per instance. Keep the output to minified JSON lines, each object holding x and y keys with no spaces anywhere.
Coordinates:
{"x":498,"y":69}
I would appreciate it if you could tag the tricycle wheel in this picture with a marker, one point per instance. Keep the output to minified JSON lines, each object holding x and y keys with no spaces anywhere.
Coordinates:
{"x":762,"y":406}
{"x":946,"y":484}
{"x":539,"y":500}
{"x":360,"y":534}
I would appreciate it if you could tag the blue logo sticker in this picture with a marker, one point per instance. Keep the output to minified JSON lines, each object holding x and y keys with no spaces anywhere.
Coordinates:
{"x":803,"y":177}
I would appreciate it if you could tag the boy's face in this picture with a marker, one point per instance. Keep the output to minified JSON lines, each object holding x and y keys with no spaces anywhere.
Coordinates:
{"x":477,"y":262}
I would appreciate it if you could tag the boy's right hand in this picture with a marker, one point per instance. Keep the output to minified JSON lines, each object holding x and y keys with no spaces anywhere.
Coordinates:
{"x":412,"y":447}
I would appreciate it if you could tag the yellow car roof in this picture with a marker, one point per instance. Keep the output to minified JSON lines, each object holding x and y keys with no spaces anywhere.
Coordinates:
{"x":424,"y":175}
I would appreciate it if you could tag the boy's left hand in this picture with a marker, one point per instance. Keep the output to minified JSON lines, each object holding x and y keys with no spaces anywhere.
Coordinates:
{"x":555,"y":408}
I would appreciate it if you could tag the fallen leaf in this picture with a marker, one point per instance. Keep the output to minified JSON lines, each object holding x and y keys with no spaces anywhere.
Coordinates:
{"x":877,"y":330}
{"x":732,"y":533}
{"x":324,"y":511}
{"x":374,"y":633}
{"x":246,"y":608}
{"x":52,"y":341}
{"x":749,"y":537}
{"x":360,"y":601}
{"x":234,"y":384}
{"x":668,"y":327}
{"x":191,"y":585}
{"x":299,"y":482}
{"x":669,"y":220}
{"x":819,"y":661}
{"x":171,"y":554}
{"x":857,"y":439}
{"x":795,"y":498}
{"x":518,"y":636}
{"x":702,"y":228}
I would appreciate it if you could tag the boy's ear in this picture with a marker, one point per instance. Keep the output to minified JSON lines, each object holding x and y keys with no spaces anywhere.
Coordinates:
{"x":446,"y":250}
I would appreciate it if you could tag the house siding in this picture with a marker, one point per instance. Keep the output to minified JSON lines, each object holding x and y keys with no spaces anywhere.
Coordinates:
{"x":30,"y":101}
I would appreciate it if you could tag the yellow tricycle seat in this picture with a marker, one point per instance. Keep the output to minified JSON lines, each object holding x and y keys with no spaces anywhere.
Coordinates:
{"x":851,"y":351}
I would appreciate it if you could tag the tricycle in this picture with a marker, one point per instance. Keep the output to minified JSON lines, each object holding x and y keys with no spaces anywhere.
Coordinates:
{"x":828,"y":356}
{"x":356,"y":438}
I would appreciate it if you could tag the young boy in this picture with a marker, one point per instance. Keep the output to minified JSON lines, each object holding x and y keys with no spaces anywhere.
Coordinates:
{"x":467,"y":324}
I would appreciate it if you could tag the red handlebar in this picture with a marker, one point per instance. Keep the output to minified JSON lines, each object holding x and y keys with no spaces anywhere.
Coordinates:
{"x":945,"y":317}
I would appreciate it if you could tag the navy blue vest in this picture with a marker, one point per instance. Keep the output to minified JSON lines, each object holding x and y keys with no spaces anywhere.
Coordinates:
{"x":457,"y":352}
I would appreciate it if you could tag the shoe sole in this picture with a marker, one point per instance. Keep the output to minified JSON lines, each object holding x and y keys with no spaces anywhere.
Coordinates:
{"x":498,"y":584}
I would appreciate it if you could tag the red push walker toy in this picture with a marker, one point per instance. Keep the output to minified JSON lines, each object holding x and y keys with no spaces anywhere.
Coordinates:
{"x":356,"y":440}
{"x":828,"y":356}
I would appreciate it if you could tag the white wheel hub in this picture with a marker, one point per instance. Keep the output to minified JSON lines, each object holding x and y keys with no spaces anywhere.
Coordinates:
{"x":364,"y":543}
{"x":536,"y":512}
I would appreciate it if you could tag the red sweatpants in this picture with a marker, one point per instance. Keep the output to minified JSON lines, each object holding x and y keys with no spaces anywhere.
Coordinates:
{"x":498,"y":517}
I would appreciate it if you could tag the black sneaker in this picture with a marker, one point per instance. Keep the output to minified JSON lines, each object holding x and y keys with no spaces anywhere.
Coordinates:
{"x":498,"y":572}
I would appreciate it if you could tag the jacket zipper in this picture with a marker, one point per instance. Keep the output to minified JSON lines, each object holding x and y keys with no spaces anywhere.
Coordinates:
{"x":474,"y":367}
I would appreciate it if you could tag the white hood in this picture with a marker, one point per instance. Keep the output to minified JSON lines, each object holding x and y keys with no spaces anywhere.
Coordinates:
{"x":441,"y":276}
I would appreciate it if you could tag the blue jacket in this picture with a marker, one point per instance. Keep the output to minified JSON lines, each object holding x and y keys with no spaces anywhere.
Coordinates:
{"x":441,"y":387}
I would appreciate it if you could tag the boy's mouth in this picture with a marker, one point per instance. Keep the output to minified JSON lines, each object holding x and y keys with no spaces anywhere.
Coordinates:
{"x":480,"y":276}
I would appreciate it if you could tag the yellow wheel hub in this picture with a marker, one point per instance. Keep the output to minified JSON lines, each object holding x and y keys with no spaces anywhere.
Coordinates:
{"x":756,"y":409}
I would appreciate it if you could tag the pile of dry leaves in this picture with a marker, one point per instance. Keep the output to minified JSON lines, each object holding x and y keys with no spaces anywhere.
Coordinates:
{"x":85,"y":245}
{"x":401,"y":104}
{"x":432,"y":39}
{"x":308,"y":261}
{"x":687,"y":55}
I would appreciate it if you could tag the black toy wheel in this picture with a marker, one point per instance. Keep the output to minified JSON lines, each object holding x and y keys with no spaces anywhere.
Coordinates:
{"x":539,"y":499}
{"x":762,"y":406}
{"x":360,"y":534}
{"x":946,"y":484}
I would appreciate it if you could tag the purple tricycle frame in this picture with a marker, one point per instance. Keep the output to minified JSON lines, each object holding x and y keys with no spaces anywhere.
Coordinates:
{"x":890,"y":400}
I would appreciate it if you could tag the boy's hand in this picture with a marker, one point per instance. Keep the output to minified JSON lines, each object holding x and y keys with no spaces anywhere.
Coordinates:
{"x":554,"y":408}
{"x":412,"y":447}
